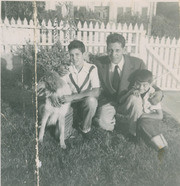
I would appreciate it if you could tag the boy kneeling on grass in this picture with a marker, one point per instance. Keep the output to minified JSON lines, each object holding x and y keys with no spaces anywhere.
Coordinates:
{"x":145,"y":116}
{"x":83,"y":79}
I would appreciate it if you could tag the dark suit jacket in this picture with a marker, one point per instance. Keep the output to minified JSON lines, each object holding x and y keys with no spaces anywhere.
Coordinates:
{"x":131,"y":64}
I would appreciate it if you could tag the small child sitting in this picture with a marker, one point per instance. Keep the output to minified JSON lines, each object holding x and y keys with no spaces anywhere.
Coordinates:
{"x":150,"y":111}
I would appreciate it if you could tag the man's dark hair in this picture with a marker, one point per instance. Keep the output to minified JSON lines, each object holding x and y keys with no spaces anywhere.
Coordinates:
{"x":116,"y":38}
{"x":76,"y":44}
{"x":144,"y":76}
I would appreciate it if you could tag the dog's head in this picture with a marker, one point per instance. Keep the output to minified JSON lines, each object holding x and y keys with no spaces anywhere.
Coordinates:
{"x":53,"y":81}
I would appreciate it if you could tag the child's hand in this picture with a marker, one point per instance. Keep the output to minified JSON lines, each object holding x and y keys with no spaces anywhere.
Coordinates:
{"x":54,"y":101}
{"x":135,"y":92}
{"x":66,"y":99}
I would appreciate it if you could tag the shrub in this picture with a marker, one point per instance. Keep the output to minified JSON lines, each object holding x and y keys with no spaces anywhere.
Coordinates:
{"x":48,"y":59}
{"x":162,"y":26}
{"x":17,"y":92}
{"x":133,"y":19}
{"x":20,"y":9}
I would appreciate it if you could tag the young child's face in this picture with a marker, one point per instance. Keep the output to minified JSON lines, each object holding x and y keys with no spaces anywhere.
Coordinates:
{"x":142,"y":86}
{"x":76,"y":56}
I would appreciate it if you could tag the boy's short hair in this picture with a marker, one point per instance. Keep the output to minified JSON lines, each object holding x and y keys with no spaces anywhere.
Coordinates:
{"x":116,"y":38}
{"x":144,"y":76}
{"x":76,"y":44}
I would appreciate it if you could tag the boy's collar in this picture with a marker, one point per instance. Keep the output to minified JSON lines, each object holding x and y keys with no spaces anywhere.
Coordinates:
{"x":84,"y":67}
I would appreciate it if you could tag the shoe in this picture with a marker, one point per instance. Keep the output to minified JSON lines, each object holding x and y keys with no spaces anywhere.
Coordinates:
{"x":84,"y":131}
{"x":86,"y":134}
{"x":161,"y":152}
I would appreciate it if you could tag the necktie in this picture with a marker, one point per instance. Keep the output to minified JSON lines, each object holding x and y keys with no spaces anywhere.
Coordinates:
{"x":116,"y":78}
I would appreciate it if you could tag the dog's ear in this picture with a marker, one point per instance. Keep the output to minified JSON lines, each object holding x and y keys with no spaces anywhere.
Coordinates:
{"x":52,"y":81}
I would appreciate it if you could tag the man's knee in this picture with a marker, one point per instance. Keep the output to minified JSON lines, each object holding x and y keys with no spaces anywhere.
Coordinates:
{"x":106,"y":117}
{"x":91,"y":103}
{"x":107,"y":110}
{"x":106,"y":113}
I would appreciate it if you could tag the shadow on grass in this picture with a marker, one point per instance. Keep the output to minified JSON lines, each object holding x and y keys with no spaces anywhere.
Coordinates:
{"x":17,"y":84}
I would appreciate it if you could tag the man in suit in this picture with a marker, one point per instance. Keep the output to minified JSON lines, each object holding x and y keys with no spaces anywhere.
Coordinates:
{"x":115,"y":70}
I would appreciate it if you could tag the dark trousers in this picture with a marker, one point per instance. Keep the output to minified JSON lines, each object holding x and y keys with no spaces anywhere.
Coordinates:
{"x":148,"y":127}
{"x":84,"y":111}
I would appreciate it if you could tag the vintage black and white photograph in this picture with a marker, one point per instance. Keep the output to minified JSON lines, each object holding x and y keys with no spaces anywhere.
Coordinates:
{"x":90,"y":93}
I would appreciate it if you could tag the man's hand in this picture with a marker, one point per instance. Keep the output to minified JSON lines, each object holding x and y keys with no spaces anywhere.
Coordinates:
{"x":63,"y":70}
{"x":156,"y":97}
{"x":54,"y":101}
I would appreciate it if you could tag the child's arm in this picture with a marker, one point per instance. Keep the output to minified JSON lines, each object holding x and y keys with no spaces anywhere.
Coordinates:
{"x":78,"y":96}
{"x":155,"y":115}
{"x":126,"y":95}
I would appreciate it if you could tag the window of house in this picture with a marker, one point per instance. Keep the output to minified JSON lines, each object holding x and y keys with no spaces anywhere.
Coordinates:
{"x":120,"y":11}
{"x":102,"y":11}
{"x":128,"y":10}
{"x":144,"y":11}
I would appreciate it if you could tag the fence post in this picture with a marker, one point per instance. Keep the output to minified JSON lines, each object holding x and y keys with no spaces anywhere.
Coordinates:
{"x":142,"y":45}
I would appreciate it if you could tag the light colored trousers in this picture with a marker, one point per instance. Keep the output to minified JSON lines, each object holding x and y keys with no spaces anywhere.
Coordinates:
{"x":131,"y":108}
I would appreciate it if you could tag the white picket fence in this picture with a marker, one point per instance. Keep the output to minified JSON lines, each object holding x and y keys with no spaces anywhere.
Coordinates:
{"x":94,"y":37}
{"x":163,"y":59}
{"x":164,"y":76}
{"x":161,"y":56}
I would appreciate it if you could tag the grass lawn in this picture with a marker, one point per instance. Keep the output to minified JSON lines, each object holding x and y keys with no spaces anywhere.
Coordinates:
{"x":107,"y":159}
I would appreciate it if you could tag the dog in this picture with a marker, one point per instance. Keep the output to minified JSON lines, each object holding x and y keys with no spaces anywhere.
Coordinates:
{"x":54,"y":86}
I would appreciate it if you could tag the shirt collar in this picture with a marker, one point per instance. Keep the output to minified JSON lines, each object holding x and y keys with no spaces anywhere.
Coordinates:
{"x":84,"y":68}
{"x":120,"y":64}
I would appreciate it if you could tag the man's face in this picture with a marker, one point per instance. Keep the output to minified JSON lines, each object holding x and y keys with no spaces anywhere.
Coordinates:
{"x":76,"y":56}
{"x":115,"y":52}
{"x":142,"y":86}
